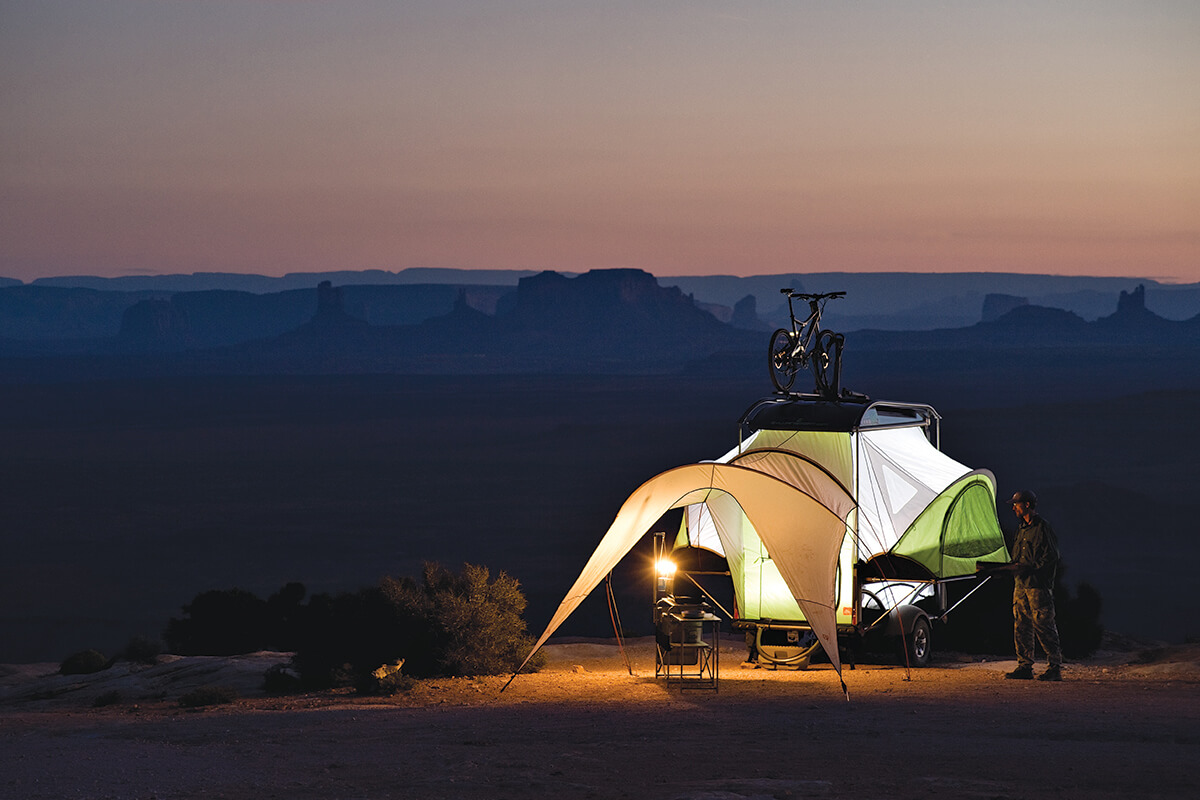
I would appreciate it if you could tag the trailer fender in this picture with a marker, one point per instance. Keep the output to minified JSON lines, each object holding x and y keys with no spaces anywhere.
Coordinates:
{"x":902,"y":618}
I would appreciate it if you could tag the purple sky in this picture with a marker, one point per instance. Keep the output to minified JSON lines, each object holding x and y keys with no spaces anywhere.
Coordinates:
{"x":684,"y":137}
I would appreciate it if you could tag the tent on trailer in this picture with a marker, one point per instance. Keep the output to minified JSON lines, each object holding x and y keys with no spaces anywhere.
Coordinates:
{"x":814,"y":488}
{"x":919,"y":516}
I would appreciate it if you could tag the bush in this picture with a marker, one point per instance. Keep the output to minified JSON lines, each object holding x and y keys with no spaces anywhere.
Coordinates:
{"x":1078,"y":618}
{"x":345,"y":636}
{"x":208,"y":696}
{"x":235,"y":621}
{"x":85,"y":662}
{"x":446,"y":625}
{"x":142,"y":650}
{"x":281,"y":679}
{"x":471,"y":624}
{"x":219,"y":623}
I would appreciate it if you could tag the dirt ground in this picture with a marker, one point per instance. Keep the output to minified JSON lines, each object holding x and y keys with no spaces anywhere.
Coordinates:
{"x":1122,"y":724}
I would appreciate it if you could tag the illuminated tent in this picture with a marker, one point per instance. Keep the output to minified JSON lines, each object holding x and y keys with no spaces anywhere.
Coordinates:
{"x":815,"y":487}
{"x":920,"y":514}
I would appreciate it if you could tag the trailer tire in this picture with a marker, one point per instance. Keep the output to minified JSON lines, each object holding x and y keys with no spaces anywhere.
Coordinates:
{"x":916,"y":649}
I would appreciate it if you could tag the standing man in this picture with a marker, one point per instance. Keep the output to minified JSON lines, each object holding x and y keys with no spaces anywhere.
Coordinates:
{"x":1035,"y":561}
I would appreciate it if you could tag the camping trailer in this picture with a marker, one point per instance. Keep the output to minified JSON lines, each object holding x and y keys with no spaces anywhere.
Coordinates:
{"x":836,"y":517}
{"x":920,"y":519}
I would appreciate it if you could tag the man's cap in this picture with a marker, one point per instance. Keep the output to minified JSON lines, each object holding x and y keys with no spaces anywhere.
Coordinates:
{"x":1024,"y":496}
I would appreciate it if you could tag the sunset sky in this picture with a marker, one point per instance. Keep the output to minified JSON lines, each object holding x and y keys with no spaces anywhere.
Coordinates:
{"x":685,"y":137}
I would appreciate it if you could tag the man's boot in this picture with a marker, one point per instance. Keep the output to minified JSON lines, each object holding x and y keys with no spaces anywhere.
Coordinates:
{"x":1023,"y":672}
{"x":1052,"y":673}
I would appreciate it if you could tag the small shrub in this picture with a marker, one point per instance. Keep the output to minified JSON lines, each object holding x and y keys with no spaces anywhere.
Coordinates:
{"x":445,"y":625}
{"x":1079,"y":621}
{"x":219,"y":623}
{"x":107,"y":699}
{"x":208,"y":696}
{"x":142,"y":650}
{"x":85,"y":662}
{"x":459,"y":624}
{"x":281,"y":679}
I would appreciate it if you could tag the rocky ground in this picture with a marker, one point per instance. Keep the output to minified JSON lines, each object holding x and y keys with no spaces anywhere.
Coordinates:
{"x":1123,"y":723}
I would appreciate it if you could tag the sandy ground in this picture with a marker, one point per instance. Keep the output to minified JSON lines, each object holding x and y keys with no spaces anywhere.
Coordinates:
{"x":1123,"y":724}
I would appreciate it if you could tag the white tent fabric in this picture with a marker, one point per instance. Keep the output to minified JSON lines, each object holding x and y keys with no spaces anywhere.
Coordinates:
{"x":803,"y":535}
{"x":900,"y":475}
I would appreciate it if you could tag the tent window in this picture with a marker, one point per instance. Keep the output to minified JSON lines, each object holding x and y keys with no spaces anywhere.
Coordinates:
{"x":877,"y":415}
{"x":969,"y":529}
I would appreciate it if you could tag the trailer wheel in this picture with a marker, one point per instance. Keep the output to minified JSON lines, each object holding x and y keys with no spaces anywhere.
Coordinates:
{"x":916,"y":649}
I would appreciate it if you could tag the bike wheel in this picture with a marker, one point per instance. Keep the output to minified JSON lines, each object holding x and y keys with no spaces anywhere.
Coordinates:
{"x":826,"y":363}
{"x":783,"y":367}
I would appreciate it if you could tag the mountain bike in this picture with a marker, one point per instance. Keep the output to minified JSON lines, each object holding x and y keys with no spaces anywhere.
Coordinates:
{"x":806,"y":346}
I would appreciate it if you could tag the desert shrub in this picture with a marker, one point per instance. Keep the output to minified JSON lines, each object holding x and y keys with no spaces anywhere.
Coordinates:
{"x":208,"y":696}
{"x":284,"y":618}
{"x":107,"y":699}
{"x":446,"y":624}
{"x":1078,"y":618}
{"x":469,"y":623}
{"x":142,"y":650}
{"x":346,"y":635}
{"x":85,"y":662}
{"x":219,"y":623}
{"x":234,"y":621}
{"x":281,"y":679}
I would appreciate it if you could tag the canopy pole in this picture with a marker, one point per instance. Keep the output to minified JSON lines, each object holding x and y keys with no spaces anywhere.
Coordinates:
{"x":709,"y":596}
{"x":615,"y":615}
{"x":946,"y":613}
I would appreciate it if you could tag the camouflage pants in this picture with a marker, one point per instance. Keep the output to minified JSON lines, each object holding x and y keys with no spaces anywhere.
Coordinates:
{"x":1033,"y":615}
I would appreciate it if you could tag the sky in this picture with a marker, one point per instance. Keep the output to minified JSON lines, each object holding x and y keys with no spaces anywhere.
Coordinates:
{"x":683,"y":137}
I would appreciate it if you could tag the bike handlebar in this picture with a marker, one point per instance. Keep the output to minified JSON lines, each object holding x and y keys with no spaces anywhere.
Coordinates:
{"x":803,"y":296}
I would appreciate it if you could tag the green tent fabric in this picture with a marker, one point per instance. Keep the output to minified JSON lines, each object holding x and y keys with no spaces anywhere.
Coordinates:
{"x":957,"y":529}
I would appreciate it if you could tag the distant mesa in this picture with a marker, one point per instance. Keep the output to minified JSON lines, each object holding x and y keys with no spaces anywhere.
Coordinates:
{"x":1134,"y":319}
{"x":996,"y":306}
{"x":617,"y":307}
{"x":596,"y":295}
{"x":745,"y":315}
{"x":155,"y":325}
{"x":1042,"y":319}
{"x":1132,"y":303}
{"x":599,"y":322}
{"x":331,"y":312}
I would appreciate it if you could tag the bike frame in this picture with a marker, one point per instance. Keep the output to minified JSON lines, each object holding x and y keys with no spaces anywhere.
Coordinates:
{"x":803,"y":333}
{"x":804,"y":346}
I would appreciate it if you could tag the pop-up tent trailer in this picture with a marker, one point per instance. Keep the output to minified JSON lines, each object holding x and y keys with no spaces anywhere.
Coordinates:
{"x":920,"y":519}
{"x":823,"y":511}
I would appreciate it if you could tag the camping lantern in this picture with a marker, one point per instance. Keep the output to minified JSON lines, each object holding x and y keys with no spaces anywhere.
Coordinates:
{"x":665,"y":568}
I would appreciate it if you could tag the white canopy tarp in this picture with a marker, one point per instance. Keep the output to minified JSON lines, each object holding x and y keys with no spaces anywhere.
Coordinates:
{"x":803,"y":534}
